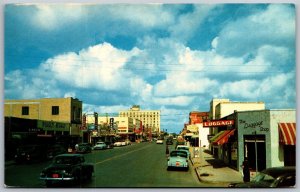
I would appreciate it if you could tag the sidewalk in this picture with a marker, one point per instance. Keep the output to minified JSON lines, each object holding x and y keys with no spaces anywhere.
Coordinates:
{"x":211,"y":170}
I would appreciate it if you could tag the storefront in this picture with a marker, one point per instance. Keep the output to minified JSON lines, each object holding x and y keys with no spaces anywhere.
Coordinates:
{"x":266,"y":138}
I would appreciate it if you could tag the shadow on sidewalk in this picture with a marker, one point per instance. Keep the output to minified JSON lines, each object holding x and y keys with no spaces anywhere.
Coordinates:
{"x":216,"y":163}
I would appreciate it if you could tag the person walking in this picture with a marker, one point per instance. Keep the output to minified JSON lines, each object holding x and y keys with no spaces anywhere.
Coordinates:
{"x":246,"y":171}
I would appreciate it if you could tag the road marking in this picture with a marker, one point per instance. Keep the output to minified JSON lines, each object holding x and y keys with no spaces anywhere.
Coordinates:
{"x":121,"y":155}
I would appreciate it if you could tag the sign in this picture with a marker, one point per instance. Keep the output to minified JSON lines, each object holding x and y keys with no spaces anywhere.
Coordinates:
{"x":218,"y":123}
{"x":111,"y":122}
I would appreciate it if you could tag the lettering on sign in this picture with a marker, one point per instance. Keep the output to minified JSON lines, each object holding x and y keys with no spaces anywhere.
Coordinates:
{"x":218,"y":123}
{"x":253,"y":125}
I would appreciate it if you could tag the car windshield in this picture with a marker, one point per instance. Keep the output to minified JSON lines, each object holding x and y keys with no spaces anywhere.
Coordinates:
{"x":64,"y":160}
{"x":264,"y":178}
{"x":178,"y":154}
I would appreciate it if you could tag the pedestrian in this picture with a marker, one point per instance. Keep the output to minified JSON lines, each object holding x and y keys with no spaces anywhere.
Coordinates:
{"x":167,"y":151}
{"x":246,"y":171}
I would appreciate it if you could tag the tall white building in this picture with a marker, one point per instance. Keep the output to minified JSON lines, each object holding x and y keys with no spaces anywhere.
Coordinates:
{"x":150,"y":118}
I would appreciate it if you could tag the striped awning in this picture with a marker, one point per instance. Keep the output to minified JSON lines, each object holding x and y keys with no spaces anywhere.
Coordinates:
{"x":287,"y":133}
{"x":213,"y":139}
{"x":224,"y":137}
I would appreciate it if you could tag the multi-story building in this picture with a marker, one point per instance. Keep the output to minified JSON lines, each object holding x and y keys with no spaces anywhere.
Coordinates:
{"x":54,"y":116}
{"x":38,"y":121}
{"x":150,"y":118}
{"x":198,"y":117}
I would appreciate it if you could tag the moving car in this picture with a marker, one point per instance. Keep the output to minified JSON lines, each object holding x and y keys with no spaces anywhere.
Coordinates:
{"x":84,"y":148}
{"x":159,"y":141}
{"x":178,"y":159}
{"x":169,"y":142}
{"x":279,"y":177}
{"x":67,"y":167}
{"x":100,"y":145}
{"x":184,"y":147}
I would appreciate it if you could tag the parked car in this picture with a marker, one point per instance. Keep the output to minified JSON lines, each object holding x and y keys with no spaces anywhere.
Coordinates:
{"x":184,"y":147}
{"x":109,"y":145}
{"x":279,"y":177}
{"x":67,"y":167}
{"x":127,"y":142}
{"x":117,"y":144}
{"x":178,"y":159}
{"x":31,"y":153}
{"x":84,"y":148}
{"x":159,"y":141}
{"x":123,"y":143}
{"x":100,"y":145}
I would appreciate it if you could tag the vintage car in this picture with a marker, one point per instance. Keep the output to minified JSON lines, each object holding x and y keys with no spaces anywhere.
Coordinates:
{"x":100,"y":145}
{"x":178,"y":159}
{"x":118,"y":144}
{"x":84,"y":148}
{"x":276,"y":177}
{"x":184,"y":147}
{"x":159,"y":141}
{"x":67,"y":167}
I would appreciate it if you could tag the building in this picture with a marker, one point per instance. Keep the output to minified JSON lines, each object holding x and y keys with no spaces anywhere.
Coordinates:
{"x":42,"y":121}
{"x":267,"y":138}
{"x":55,"y":116}
{"x":150,"y":118}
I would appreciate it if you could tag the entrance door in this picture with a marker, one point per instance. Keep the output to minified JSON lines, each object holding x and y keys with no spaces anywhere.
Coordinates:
{"x":249,"y":151}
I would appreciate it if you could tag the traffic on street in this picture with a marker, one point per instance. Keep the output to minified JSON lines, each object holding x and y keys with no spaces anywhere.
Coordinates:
{"x":137,"y":165}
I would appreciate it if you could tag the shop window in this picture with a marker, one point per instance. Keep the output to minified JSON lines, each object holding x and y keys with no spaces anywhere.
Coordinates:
{"x":55,"y":110}
{"x":25,"y":110}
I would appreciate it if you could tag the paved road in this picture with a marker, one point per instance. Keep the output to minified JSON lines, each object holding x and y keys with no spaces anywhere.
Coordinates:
{"x":138,"y":165}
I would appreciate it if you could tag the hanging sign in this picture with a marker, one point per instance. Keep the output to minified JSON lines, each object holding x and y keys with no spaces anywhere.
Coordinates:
{"x":218,"y":123}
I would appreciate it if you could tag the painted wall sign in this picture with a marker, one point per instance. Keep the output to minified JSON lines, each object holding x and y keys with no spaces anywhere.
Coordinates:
{"x":253,"y":125}
{"x":218,"y":123}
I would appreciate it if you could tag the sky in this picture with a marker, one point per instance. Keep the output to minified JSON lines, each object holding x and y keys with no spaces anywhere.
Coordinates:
{"x":170,"y":57}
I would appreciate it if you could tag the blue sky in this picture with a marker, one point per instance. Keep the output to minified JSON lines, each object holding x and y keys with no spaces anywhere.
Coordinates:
{"x":169,"y":57}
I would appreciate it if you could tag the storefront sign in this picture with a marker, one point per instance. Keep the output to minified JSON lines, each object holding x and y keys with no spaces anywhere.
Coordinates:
{"x":218,"y":123}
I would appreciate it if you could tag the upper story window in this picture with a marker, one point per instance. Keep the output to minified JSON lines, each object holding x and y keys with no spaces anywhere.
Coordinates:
{"x":55,"y":110}
{"x":25,"y":110}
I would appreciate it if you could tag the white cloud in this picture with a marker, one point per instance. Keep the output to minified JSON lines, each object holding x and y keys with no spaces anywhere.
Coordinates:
{"x":54,"y":16}
{"x":176,"y":101}
{"x":98,"y":67}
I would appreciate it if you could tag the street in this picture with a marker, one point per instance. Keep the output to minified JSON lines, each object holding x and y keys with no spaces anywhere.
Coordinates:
{"x":137,"y":165}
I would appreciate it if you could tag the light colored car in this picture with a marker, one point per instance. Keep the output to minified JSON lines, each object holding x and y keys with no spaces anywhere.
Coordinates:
{"x":118,"y":144}
{"x":100,"y":145}
{"x":159,"y":141}
{"x":184,"y":147}
{"x":178,"y":159}
{"x":127,"y":142}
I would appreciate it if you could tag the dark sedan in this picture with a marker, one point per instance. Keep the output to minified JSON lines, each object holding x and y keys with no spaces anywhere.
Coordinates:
{"x":84,"y":148}
{"x":67,"y":167}
{"x":279,"y":177}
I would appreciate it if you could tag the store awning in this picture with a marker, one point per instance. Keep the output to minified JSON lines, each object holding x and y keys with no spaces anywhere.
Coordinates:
{"x":287,"y":133}
{"x":213,"y":139}
{"x":224,"y":137}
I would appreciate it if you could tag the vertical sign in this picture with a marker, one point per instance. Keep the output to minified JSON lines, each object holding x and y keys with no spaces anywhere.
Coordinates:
{"x":83,"y":125}
{"x":111,"y":122}
{"x":96,"y":120}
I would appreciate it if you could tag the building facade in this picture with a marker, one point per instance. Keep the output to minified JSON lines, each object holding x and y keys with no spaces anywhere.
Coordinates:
{"x":55,"y":116}
{"x":267,"y":138}
{"x":150,"y":118}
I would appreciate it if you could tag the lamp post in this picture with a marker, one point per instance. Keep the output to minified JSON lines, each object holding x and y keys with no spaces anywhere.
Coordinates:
{"x":255,"y":152}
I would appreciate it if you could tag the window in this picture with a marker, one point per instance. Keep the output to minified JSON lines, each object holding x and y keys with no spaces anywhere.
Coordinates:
{"x":55,"y":110}
{"x":25,"y":110}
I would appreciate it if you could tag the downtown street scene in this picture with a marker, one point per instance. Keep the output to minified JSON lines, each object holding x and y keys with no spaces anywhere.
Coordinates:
{"x":149,"y":96}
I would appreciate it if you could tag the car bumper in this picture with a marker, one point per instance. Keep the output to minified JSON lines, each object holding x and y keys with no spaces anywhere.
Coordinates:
{"x":57,"y":179}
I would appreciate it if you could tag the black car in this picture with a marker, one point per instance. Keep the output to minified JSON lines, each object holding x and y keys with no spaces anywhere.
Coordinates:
{"x":279,"y":177}
{"x":169,"y":142}
{"x":84,"y":148}
{"x":67,"y":167}
{"x":31,"y":153}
